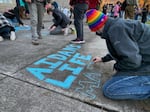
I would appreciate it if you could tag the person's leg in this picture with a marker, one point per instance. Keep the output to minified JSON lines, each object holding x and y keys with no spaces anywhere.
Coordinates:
{"x":40,"y":12}
{"x":15,"y":22}
{"x":121,"y":87}
{"x":33,"y":18}
{"x":79,"y":11}
{"x":7,"y":32}
{"x":56,"y":31}
{"x":1,"y":34}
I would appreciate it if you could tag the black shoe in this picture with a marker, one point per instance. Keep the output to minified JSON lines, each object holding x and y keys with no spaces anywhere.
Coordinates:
{"x":77,"y":41}
{"x":35,"y":42}
{"x":40,"y":37}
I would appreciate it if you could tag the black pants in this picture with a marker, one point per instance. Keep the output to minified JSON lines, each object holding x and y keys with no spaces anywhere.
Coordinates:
{"x":5,"y":31}
{"x":79,"y":11}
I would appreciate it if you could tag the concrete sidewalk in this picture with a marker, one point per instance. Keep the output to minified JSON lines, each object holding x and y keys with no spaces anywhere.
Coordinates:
{"x":56,"y":76}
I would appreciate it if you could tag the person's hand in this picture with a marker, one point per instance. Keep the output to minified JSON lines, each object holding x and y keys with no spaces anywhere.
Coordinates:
{"x":48,"y":6}
{"x":52,"y":28}
{"x":97,"y":59}
{"x":71,"y":7}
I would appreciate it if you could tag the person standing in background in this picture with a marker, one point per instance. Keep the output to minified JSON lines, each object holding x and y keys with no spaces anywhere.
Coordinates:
{"x":105,"y":8}
{"x":94,"y":4}
{"x":79,"y":8}
{"x":129,"y":10}
{"x":36,"y":9}
{"x":123,"y":6}
{"x":116,"y":9}
{"x":23,"y":9}
{"x":144,"y":13}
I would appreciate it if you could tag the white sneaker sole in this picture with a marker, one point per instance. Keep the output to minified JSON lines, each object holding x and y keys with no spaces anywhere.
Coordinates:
{"x":12,"y":36}
{"x":1,"y":39}
{"x":78,"y":42}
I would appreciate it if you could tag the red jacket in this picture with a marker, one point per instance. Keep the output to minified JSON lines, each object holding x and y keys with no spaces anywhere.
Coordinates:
{"x":93,"y":4}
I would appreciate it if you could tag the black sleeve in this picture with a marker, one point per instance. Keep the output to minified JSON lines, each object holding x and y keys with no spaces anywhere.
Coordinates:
{"x":107,"y":58}
{"x":16,"y":12}
{"x":58,"y":18}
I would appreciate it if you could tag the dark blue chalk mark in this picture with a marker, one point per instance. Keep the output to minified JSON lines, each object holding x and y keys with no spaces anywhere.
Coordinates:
{"x":90,"y":65}
{"x":87,"y":87}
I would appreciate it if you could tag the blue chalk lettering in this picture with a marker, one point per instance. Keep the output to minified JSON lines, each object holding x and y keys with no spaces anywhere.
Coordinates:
{"x":87,"y":88}
{"x":66,"y":53}
{"x":57,"y":56}
{"x":92,"y":96}
{"x":79,"y":56}
{"x":75,"y":71}
{"x":77,"y":59}
{"x":66,"y":84}
{"x":93,"y":76}
{"x":45,"y":61}
{"x":38,"y":72}
{"x":41,"y":61}
{"x":72,"y":47}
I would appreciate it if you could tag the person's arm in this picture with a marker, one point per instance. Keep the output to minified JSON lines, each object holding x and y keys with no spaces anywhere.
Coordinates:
{"x":16,"y":12}
{"x":106,"y":58}
{"x":126,"y":48}
{"x":58,"y":18}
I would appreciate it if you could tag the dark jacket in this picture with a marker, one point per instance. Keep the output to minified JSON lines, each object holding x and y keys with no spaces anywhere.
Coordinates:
{"x":13,"y":13}
{"x":74,"y":2}
{"x":128,"y":42}
{"x":60,"y":18}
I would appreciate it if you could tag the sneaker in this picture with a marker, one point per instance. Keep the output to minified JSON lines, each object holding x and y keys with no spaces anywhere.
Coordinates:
{"x":43,"y":26}
{"x":73,"y":31}
{"x":12,"y":35}
{"x":76,"y":41}
{"x":35,"y":42}
{"x":1,"y":39}
{"x":39,"y":37}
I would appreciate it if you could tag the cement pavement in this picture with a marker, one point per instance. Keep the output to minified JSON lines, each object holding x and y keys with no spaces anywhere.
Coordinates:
{"x":56,"y":76}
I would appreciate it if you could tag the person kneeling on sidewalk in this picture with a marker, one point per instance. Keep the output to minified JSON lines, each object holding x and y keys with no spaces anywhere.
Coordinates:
{"x":128,"y":43}
{"x":6,"y":29}
{"x":61,"y":21}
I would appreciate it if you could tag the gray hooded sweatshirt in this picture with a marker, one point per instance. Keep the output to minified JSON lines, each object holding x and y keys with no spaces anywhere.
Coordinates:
{"x":128,"y":42}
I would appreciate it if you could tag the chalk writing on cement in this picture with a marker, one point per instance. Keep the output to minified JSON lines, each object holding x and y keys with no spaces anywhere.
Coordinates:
{"x":66,"y":60}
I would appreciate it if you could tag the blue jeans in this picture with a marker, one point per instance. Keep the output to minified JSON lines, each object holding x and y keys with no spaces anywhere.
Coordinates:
{"x":13,"y":22}
{"x":121,"y":87}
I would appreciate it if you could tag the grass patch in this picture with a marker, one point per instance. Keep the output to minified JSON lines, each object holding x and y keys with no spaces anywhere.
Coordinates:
{"x":148,"y":22}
